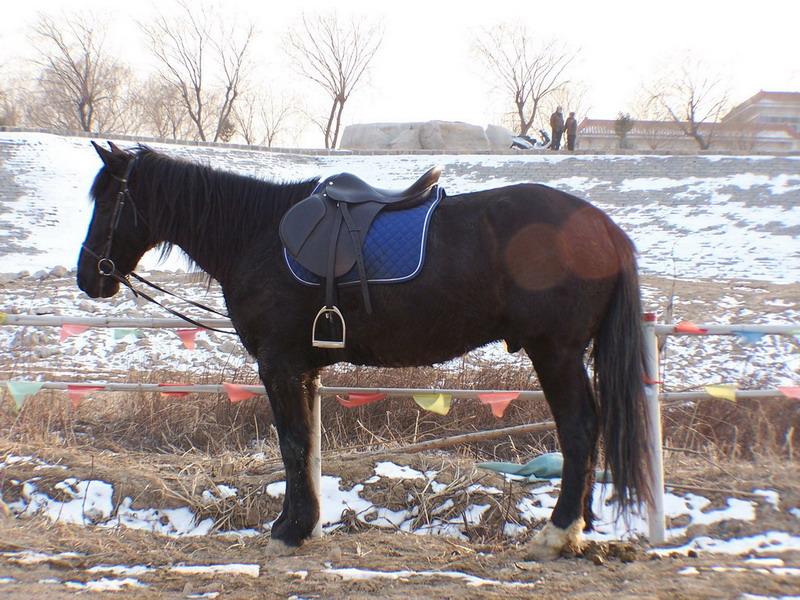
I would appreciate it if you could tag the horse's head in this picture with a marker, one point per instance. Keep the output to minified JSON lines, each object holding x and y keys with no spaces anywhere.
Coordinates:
{"x":118,"y":235}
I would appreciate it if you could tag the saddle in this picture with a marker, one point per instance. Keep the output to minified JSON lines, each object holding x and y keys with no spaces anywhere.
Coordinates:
{"x":325,"y":233}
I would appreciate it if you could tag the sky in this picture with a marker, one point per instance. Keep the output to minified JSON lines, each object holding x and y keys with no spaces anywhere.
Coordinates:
{"x":425,"y":69}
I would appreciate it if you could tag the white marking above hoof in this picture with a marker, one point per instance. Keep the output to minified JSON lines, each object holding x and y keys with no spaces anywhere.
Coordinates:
{"x":550,"y":541}
{"x":280,"y":548}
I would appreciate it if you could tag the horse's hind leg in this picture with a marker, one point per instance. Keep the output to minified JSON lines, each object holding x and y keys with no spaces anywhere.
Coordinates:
{"x":290,"y":393}
{"x":569,"y":394}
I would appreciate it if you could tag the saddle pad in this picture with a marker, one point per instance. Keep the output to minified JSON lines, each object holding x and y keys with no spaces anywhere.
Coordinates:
{"x":394,"y":248}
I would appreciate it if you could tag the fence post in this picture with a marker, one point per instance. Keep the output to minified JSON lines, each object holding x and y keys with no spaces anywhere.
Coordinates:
{"x":655,"y":512}
{"x":316,"y":453}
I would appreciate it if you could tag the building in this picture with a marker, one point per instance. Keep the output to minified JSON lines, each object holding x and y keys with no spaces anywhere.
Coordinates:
{"x":767,"y":122}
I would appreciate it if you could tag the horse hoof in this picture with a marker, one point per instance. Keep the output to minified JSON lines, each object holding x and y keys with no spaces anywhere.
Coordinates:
{"x":280,"y":548}
{"x":551,"y":541}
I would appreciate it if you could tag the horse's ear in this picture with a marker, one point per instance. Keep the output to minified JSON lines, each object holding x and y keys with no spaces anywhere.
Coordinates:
{"x":114,"y":148}
{"x":115,"y":161}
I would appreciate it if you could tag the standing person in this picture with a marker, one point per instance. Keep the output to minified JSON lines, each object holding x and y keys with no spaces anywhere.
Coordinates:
{"x":557,"y":125}
{"x":571,"y":127}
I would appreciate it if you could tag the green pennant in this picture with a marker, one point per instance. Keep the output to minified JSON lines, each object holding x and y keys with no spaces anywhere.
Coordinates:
{"x":123,"y":333}
{"x":438,"y":403}
{"x":22,"y":389}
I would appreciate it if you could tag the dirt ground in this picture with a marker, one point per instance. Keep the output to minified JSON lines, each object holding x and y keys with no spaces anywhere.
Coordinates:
{"x":441,"y":565}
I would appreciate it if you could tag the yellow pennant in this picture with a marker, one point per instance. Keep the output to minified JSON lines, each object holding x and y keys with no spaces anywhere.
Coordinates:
{"x":725,"y":391}
{"x":438,"y":403}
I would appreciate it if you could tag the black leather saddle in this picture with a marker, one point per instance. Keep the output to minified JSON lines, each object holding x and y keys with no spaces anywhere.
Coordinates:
{"x":325,"y":232}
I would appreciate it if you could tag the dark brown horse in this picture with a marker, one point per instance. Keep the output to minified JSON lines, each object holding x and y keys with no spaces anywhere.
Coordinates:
{"x":538,"y":268}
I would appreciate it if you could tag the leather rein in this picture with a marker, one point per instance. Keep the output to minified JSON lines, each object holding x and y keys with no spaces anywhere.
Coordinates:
{"x":107,"y":268}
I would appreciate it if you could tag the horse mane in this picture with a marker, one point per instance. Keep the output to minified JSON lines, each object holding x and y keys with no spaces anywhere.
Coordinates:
{"x":210,"y":203}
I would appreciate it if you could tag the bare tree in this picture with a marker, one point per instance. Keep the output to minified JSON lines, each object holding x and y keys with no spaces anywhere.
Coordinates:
{"x":159,"y":110}
{"x":693,"y":97}
{"x":336,"y":56}
{"x":79,"y":82}
{"x":205,"y":58}
{"x":524,"y":70}
{"x":265,"y":117}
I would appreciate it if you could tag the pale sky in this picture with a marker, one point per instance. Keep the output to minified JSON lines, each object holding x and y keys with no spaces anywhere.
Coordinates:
{"x":425,"y":69}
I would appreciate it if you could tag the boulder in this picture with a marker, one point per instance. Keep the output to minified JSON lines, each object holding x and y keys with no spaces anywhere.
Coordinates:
{"x":430,"y":135}
{"x":499,"y":138}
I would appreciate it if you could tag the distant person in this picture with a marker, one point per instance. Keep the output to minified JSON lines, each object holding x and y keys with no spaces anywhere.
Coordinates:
{"x":571,"y":127}
{"x":557,"y":125}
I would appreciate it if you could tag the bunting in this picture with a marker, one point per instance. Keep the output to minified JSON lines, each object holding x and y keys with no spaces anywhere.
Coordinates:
{"x":724,"y":391}
{"x":76,"y":392}
{"x":237,"y":393}
{"x":187,"y":337}
{"x":123,"y":333}
{"x":69,"y":329}
{"x":498,"y":401}
{"x":790,"y":392}
{"x":689,"y":327}
{"x":174,"y":394}
{"x":20,"y":390}
{"x":355,"y":399}
{"x":438,"y":403}
{"x":749,"y":337}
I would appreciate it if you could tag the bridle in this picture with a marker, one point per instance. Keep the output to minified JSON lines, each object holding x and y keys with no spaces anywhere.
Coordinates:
{"x":107,"y":268}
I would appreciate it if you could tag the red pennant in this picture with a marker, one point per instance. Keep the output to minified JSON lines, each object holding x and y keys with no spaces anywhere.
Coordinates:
{"x":790,"y":392}
{"x":68,"y":329}
{"x":187,"y":337}
{"x":354,"y":400}
{"x":237,"y":393}
{"x":77,"y":392}
{"x":689,"y":327}
{"x":174,"y":394}
{"x":650,"y":381}
{"x":498,"y":401}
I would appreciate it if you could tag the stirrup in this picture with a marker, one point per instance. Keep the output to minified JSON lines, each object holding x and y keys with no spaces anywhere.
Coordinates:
{"x":329,"y":313}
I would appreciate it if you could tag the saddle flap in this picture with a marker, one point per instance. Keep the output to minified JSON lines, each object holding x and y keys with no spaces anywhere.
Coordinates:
{"x":299,"y":223}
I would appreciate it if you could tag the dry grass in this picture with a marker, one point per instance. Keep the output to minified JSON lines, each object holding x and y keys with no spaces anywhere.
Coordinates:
{"x":212,"y":424}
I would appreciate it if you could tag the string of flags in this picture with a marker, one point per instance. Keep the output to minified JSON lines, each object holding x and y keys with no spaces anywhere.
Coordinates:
{"x":745,"y":336}
{"x":187,"y":336}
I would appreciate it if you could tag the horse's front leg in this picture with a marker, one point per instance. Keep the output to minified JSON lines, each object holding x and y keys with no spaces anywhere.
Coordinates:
{"x":290,"y":389}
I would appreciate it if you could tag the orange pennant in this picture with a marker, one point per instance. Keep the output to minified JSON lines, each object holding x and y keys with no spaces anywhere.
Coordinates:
{"x":187,"y":337}
{"x":689,"y":327}
{"x":790,"y":392}
{"x":354,"y":400}
{"x":498,"y":401}
{"x":174,"y":394}
{"x":68,"y":329}
{"x":77,"y":392}
{"x":237,"y":393}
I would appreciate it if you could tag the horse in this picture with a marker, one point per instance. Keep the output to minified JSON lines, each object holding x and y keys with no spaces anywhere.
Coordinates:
{"x":527,"y":264}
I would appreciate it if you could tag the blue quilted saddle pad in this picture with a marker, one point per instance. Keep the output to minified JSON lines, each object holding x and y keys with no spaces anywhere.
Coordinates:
{"x":394,"y":248}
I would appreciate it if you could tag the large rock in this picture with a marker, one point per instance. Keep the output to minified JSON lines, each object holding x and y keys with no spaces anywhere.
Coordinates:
{"x":430,"y":135}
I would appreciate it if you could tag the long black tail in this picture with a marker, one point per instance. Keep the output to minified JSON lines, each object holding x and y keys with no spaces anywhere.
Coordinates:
{"x":619,"y":381}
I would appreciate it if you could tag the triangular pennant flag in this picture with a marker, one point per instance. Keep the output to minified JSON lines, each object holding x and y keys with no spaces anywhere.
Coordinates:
{"x":724,"y":391}
{"x":174,"y":394}
{"x":498,"y":401}
{"x":68,"y":329}
{"x":354,"y":399}
{"x":122,"y":333}
{"x":22,"y":389}
{"x":3,"y":317}
{"x":689,"y":327}
{"x":237,"y":393}
{"x":187,"y":337}
{"x":77,"y":392}
{"x":438,"y":403}
{"x":749,"y":337}
{"x":790,"y":392}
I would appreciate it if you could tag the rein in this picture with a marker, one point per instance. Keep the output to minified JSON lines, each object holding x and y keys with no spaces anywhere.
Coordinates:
{"x":107,"y":268}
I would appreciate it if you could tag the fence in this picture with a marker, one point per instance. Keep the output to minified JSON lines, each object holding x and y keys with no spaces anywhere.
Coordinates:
{"x":652,"y":330}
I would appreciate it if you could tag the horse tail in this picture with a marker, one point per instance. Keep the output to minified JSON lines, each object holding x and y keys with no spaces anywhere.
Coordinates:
{"x":619,"y":380}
